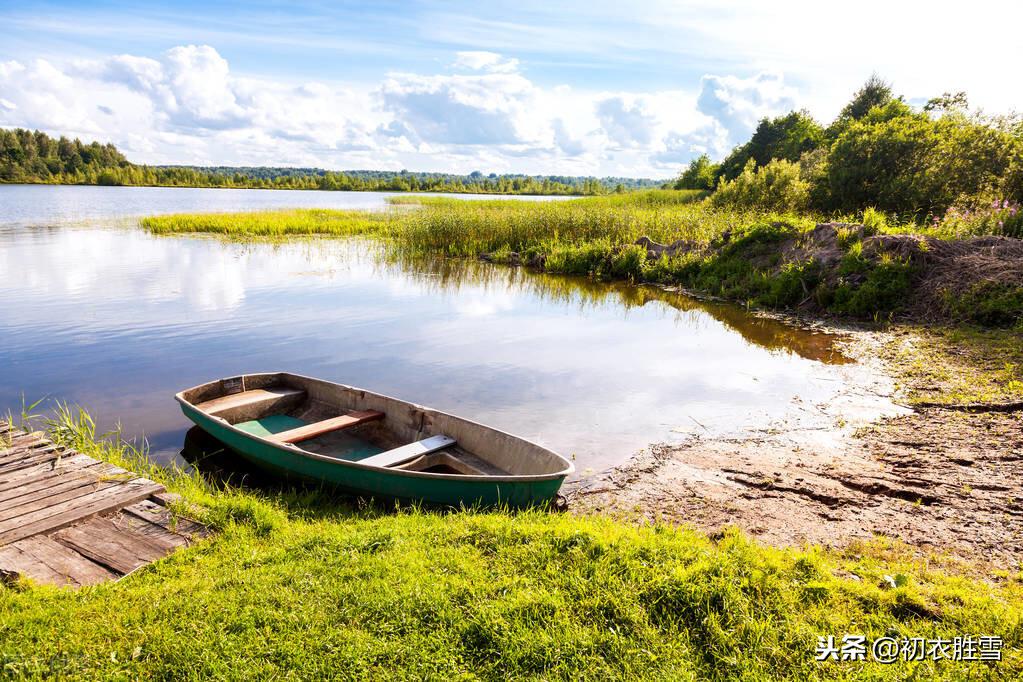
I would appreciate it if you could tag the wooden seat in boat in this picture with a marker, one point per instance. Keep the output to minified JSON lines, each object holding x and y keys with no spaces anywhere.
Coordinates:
{"x":407,"y":452}
{"x":256,"y":401}
{"x":315,"y":429}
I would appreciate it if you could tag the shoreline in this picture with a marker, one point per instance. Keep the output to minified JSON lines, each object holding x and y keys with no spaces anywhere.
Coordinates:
{"x":937,"y":478}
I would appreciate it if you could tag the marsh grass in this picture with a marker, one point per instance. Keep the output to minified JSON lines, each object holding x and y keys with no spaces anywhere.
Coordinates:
{"x":555,"y":230}
{"x":302,"y":584}
{"x":727,"y":251}
{"x":281,"y":223}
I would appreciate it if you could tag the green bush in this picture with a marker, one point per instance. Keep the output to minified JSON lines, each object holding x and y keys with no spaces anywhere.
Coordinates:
{"x":908,"y":163}
{"x":884,"y":289}
{"x":777,"y":186}
{"x":990,"y":304}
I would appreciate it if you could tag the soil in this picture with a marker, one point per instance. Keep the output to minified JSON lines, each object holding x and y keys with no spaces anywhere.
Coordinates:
{"x":944,"y":480}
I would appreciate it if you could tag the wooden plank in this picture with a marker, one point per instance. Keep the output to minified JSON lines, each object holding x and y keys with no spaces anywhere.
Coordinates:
{"x":18,"y":444}
{"x":64,"y":489}
{"x":53,"y":482}
{"x":155,"y":533}
{"x":102,"y":541}
{"x":52,"y":468}
{"x":45,"y":560}
{"x":245,"y":398}
{"x":69,"y":511}
{"x":165,"y":518}
{"x":410,"y":451}
{"x":14,"y":454}
{"x":35,"y":475}
{"x":345,"y":421}
{"x":34,"y":457}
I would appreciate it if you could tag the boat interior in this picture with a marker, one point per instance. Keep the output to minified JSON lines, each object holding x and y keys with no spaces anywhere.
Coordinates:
{"x":348,"y":425}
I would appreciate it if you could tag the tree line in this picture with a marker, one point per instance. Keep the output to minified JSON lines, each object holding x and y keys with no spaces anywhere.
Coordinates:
{"x":879,"y":152}
{"x":33,"y":157}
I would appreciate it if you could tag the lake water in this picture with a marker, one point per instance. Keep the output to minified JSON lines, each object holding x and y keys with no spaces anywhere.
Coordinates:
{"x":100,"y":313}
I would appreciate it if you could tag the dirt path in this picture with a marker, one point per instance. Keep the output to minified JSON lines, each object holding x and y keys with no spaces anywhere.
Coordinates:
{"x":943,"y":480}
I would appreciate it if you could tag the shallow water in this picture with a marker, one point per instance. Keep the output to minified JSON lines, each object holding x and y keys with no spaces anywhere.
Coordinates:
{"x":102,"y":314}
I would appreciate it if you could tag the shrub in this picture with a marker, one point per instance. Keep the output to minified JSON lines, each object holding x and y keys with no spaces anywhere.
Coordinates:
{"x":883,"y":290}
{"x":774,"y":187}
{"x":906,"y":162}
{"x":991,"y":304}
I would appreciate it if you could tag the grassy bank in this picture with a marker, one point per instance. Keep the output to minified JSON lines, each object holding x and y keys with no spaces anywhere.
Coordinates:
{"x":871,"y":270}
{"x":301,"y":584}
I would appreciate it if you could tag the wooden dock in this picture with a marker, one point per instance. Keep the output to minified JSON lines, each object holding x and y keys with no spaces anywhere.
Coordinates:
{"x":68,"y":519}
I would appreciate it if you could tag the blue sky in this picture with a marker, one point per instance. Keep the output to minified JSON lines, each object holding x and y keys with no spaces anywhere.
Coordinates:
{"x":541,"y":87}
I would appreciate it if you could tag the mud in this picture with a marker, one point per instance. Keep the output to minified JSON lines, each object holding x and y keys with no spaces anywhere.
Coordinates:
{"x":945,"y":481}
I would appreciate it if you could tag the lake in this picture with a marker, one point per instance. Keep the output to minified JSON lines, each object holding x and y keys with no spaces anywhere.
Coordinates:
{"x":99,"y":313}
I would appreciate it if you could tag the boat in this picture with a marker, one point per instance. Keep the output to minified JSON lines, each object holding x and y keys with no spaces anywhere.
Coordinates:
{"x":371,"y":445}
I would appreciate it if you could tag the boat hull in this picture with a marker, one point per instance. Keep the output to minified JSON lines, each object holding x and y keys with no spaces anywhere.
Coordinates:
{"x":379,"y":483}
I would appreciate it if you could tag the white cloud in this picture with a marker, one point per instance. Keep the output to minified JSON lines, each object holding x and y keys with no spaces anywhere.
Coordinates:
{"x":481,"y":60}
{"x":459,"y":109}
{"x":187,"y":106}
{"x":739,"y":103}
{"x":625,"y":124}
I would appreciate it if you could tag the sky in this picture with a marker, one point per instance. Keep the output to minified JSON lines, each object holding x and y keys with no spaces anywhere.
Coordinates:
{"x":539,"y":87}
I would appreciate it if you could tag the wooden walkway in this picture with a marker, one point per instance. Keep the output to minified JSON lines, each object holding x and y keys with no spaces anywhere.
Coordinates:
{"x":68,"y":519}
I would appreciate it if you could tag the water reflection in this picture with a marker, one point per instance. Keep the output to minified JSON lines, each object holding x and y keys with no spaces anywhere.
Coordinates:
{"x":440,"y":275}
{"x":118,"y":320}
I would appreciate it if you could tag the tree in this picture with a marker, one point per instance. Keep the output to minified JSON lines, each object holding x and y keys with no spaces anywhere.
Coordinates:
{"x":785,"y":137}
{"x":699,"y":174}
{"x":876,"y":92}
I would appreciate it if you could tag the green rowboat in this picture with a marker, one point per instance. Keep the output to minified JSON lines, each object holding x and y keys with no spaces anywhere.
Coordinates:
{"x":370,"y":444}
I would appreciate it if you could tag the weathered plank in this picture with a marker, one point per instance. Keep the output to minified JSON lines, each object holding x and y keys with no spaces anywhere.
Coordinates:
{"x":410,"y":451}
{"x":51,"y":468}
{"x":76,"y":509}
{"x":42,"y":559}
{"x":67,"y":489}
{"x":163,"y":517}
{"x":10,"y":449}
{"x":68,"y":519}
{"x":121,"y":549}
{"x":167,"y":539}
{"x":55,"y":481}
{"x":309,"y":431}
{"x":30,"y":458}
{"x":15,"y":453}
{"x":253,"y":397}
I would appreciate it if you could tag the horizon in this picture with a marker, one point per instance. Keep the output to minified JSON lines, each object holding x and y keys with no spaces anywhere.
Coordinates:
{"x":594,"y":91}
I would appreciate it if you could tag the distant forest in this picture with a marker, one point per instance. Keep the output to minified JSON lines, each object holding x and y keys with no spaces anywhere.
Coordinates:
{"x":34,"y":157}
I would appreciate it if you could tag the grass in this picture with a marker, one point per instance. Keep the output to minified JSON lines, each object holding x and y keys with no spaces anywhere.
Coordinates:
{"x":957,"y":365}
{"x":270,"y":224}
{"x":455,"y":227}
{"x":298,"y":584}
{"x":739,"y":254}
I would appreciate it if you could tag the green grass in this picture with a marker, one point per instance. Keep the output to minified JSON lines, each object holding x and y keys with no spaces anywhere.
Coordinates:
{"x":733,"y":253}
{"x":282,"y":223}
{"x":455,"y":227}
{"x":297,"y":585}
